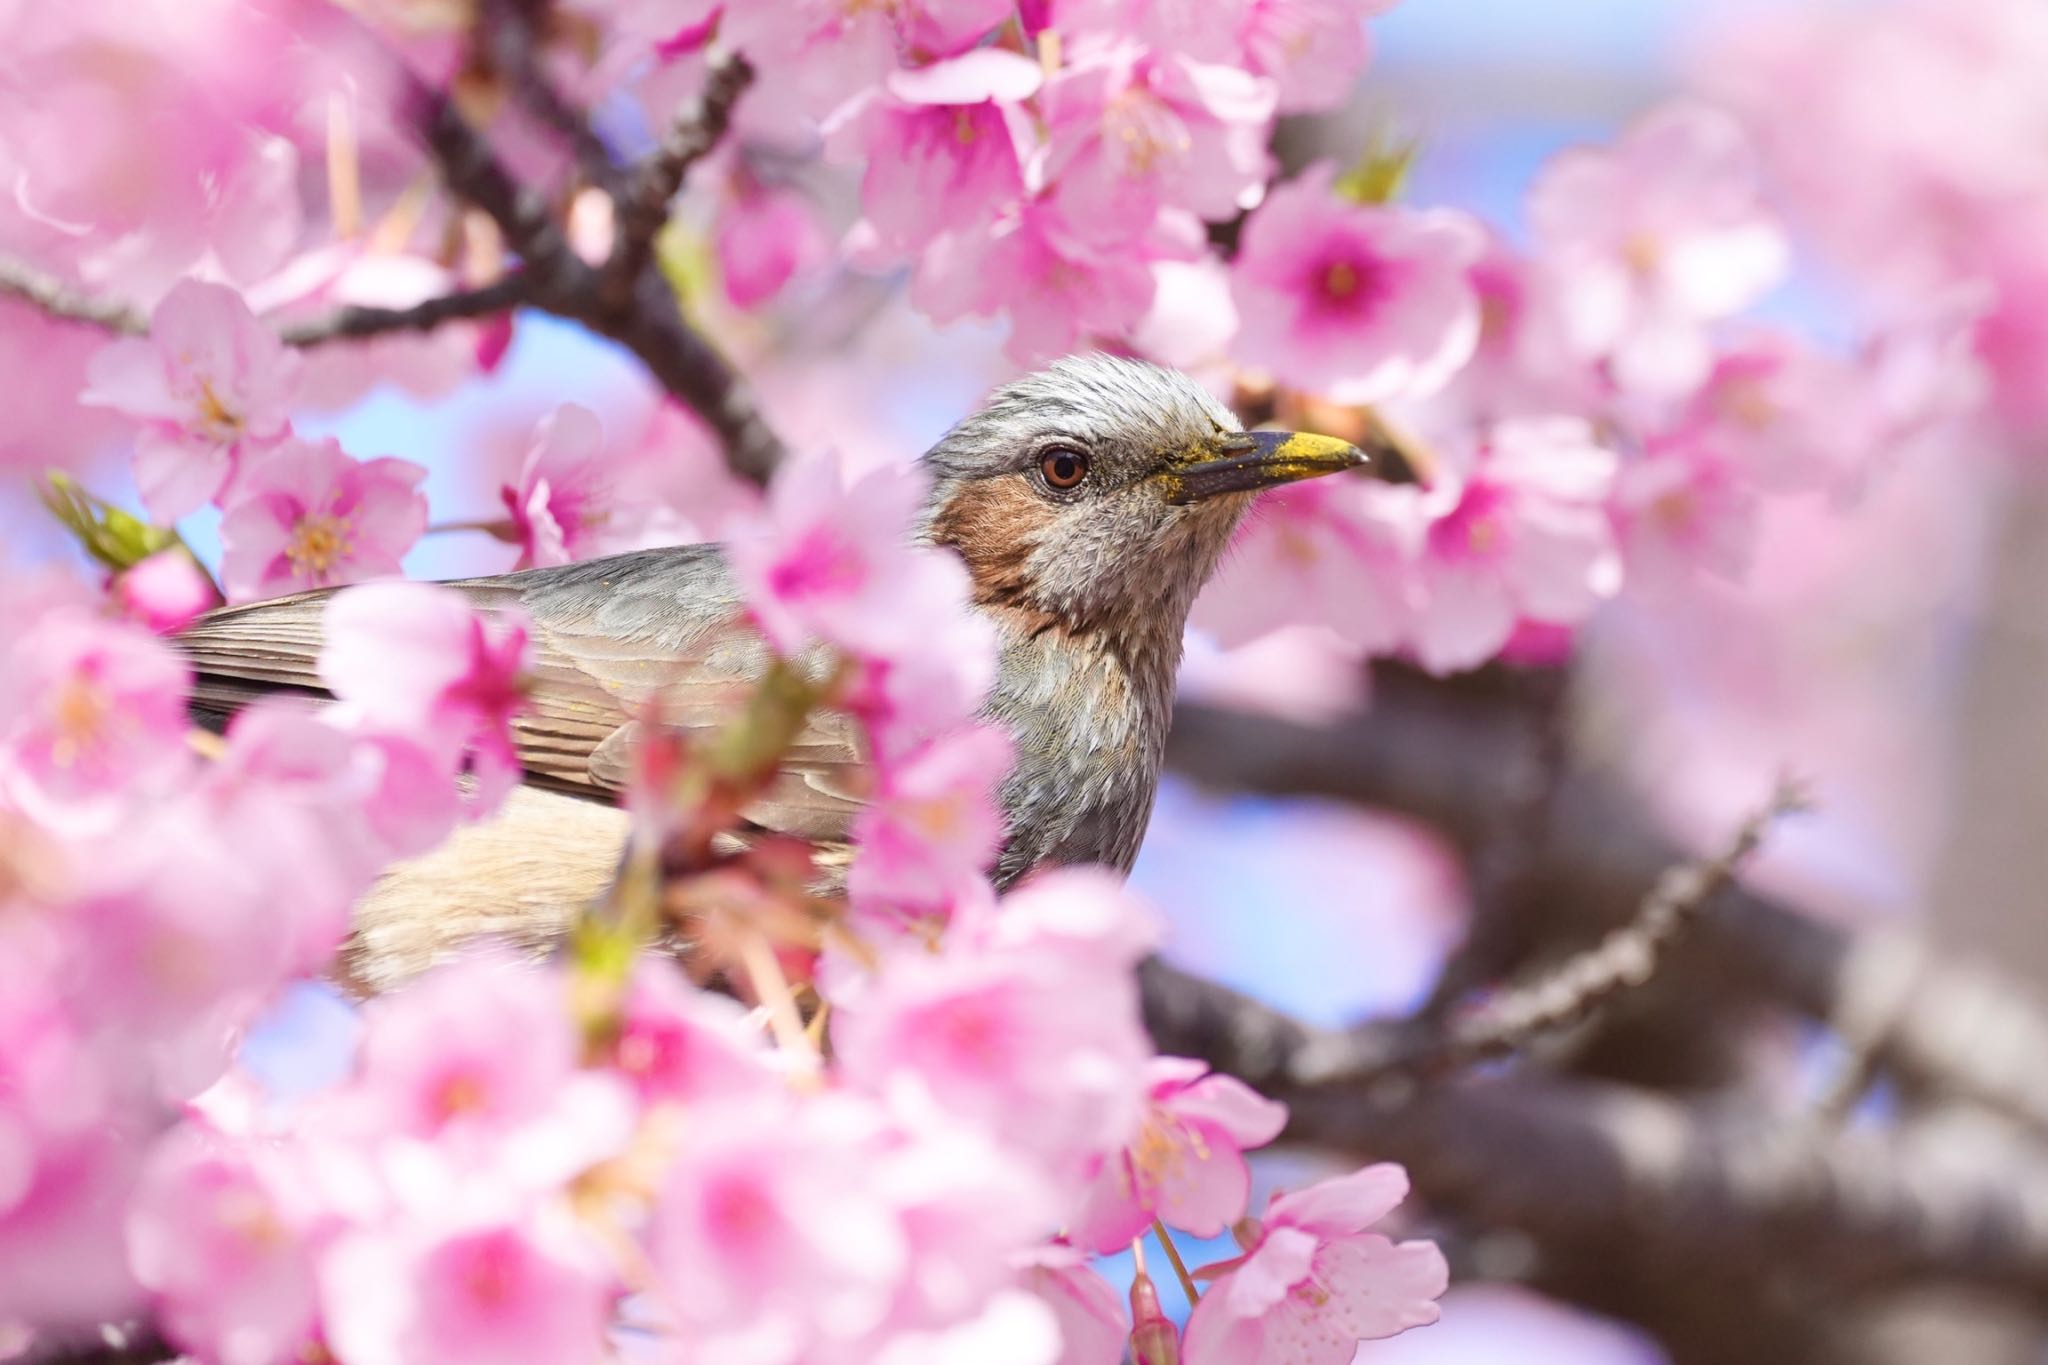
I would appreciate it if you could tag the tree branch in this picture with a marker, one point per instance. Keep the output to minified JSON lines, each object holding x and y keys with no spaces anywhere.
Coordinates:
{"x":356,"y":322}
{"x":645,"y":318}
{"x":1602,"y":1165}
{"x":697,"y":128}
{"x":508,"y":37}
{"x":1573,"y":990}
{"x":60,"y":300}
{"x":1431,"y":750}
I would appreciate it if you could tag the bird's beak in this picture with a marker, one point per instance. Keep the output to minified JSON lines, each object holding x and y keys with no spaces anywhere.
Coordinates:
{"x":1246,"y":461}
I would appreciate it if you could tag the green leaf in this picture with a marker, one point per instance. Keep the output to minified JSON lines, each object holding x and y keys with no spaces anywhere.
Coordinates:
{"x":117,"y":539}
{"x":1381,"y":171}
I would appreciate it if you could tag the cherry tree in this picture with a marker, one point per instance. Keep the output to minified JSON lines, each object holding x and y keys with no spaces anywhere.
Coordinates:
{"x":920,"y":1121}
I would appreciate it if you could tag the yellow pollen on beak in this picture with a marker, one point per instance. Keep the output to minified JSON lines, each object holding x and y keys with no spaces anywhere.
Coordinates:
{"x":319,"y":542}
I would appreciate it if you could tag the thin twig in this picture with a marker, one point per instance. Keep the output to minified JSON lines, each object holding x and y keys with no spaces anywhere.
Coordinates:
{"x":1623,"y":960}
{"x":508,"y":38}
{"x":646,"y":318}
{"x":697,"y":128}
{"x":471,"y":169}
{"x":60,"y":300}
{"x":356,"y":322}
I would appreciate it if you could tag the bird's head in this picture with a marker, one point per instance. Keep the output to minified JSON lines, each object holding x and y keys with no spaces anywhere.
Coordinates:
{"x":1099,"y":493}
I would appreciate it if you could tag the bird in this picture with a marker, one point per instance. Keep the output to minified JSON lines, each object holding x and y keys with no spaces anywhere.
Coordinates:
{"x":1089,"y":502}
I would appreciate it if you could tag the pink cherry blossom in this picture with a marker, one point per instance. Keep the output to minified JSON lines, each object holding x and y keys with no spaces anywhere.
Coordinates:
{"x":1653,"y":237}
{"x":1203,"y":29}
{"x":502,"y":1287}
{"x":1056,"y":287}
{"x":211,"y":384}
{"x":1357,"y":303}
{"x":933,"y":824}
{"x":1087,"y":1308}
{"x":94,"y":712}
{"x":309,"y":805}
{"x":1024,"y":1026}
{"x":1314,"y":50}
{"x":766,"y":237}
{"x":1316,"y":1280}
{"x":306,"y":515}
{"x":1084,"y":914}
{"x":822,"y":562}
{"x":678,"y":1043}
{"x":218,"y":1237}
{"x":165,"y":591}
{"x":943,"y":145}
{"x":1524,"y":535}
{"x":563,"y":496}
{"x":967,"y":1207}
{"x":1789,"y":415}
{"x":935,"y":679}
{"x":1333,"y":553}
{"x":1132,"y":131}
{"x":435,"y":1063}
{"x":1682,"y":510}
{"x":775,"y":1254}
{"x":421,"y":662}
{"x":1186,"y":1166}
{"x":1911,"y":207}
{"x":826,"y":51}
{"x":188,"y":941}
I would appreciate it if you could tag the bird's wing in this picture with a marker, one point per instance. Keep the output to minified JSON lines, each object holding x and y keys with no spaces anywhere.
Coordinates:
{"x":613,"y":639}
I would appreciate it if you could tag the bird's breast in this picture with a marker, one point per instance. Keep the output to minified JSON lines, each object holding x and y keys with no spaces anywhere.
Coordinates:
{"x":1088,"y":716}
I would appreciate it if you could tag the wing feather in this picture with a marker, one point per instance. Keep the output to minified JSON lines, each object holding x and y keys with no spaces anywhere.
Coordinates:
{"x":616,"y":641}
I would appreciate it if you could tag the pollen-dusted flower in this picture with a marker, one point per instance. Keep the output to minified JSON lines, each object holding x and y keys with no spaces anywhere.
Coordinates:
{"x":309,"y":516}
{"x":1315,"y":1280}
{"x":1358,"y":303}
{"x":211,"y":384}
{"x":1186,"y":1165}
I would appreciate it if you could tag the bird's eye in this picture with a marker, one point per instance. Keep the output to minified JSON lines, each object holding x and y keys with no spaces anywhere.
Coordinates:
{"x":1063,"y":469}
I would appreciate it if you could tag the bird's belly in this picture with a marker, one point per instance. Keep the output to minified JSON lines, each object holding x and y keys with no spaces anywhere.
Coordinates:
{"x":519,"y":877}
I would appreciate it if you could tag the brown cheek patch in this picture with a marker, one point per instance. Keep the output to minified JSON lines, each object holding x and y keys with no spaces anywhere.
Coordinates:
{"x":995,"y":524}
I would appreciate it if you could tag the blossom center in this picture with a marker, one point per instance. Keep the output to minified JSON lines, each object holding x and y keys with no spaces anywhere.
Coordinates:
{"x":319,"y":542}
{"x":1641,"y":251}
{"x":80,"y":715}
{"x":461,"y":1093}
{"x":1165,"y":1147}
{"x":1747,"y":402}
{"x":493,"y":1274}
{"x":216,"y":418}
{"x":1144,"y":131}
{"x":1476,"y":529}
{"x":1347,"y":285}
{"x":822,"y":562}
{"x":249,"y":1215}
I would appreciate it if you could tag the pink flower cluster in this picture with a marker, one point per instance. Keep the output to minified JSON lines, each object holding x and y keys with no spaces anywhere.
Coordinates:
{"x":1602,"y":411}
{"x":457,"y":1198}
{"x":1047,"y":170}
{"x":1948,"y":204}
{"x":157,"y":887}
{"x":212,"y":388}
